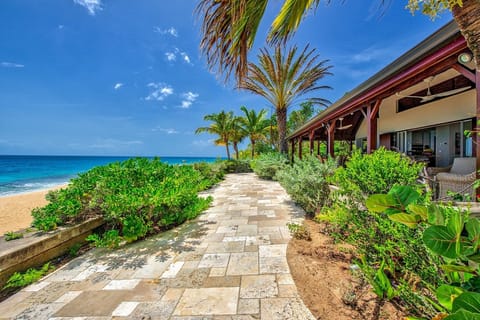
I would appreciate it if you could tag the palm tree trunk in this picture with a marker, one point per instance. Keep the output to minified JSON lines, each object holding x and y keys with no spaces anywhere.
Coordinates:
{"x":282,"y":129}
{"x":228,"y":150}
{"x":252,"y":142}
{"x":467,"y":18}
{"x":235,"y":147}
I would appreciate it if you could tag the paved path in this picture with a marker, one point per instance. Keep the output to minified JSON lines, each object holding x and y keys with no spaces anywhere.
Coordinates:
{"x":230,"y":263}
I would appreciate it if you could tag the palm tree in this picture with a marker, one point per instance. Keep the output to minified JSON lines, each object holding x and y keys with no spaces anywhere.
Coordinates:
{"x":255,"y":126}
{"x":221,"y":126}
{"x":229,"y":27}
{"x":237,"y":134}
{"x":283,"y":78}
{"x":299,"y":117}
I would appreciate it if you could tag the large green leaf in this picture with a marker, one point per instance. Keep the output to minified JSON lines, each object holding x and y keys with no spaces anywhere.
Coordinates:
{"x":404,"y":195}
{"x":380,"y":202}
{"x":469,"y":301}
{"x":447,"y":294}
{"x":419,"y":210}
{"x":457,"y":268}
{"x":410,"y":220}
{"x":441,"y":240}
{"x":436,"y":215}
{"x":455,"y":222}
{"x":463,"y":315}
{"x":473,"y":228}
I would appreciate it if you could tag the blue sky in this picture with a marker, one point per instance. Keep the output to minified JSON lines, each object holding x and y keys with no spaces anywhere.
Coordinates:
{"x":122,"y":77}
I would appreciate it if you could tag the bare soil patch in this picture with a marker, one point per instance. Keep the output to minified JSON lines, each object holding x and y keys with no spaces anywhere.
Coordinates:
{"x":322,"y":273}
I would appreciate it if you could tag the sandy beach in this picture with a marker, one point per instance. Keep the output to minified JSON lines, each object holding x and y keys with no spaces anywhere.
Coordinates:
{"x":15,"y":210}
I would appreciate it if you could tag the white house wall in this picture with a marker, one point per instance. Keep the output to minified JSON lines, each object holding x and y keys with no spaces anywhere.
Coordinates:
{"x":458,"y":107}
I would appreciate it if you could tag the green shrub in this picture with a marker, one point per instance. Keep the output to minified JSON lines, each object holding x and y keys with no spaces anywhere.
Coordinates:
{"x":306,"y":182}
{"x":386,"y":249}
{"x":266,"y":165}
{"x":20,"y":280}
{"x":136,"y":197}
{"x":237,"y":166}
{"x":366,"y":174}
{"x":12,"y":235}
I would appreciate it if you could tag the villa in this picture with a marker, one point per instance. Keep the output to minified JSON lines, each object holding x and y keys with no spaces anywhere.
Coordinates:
{"x":420,"y":104}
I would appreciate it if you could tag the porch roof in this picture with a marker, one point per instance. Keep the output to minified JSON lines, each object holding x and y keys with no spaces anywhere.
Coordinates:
{"x":436,"y":48}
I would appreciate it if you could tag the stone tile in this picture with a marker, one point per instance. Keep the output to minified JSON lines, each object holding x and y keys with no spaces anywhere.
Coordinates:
{"x":263,"y":286}
{"x":122,"y":284}
{"x":285,"y":279}
{"x":124,"y":309}
{"x":248,"y":306}
{"x":251,"y":248}
{"x":225,"y":247}
{"x":158,"y":310}
{"x":39,"y":311}
{"x":172,"y":294}
{"x":153,"y":268}
{"x":284,"y":308}
{"x":208,"y":301}
{"x":287,"y":291}
{"x":90,"y":271}
{"x":147,"y":290}
{"x":92,"y":304}
{"x":243,"y":263}
{"x":217,"y":272}
{"x":214,"y":260}
{"x":247,"y":230}
{"x":36,"y":286}
{"x":276,"y":250}
{"x":173,"y":269}
{"x":270,"y":265}
{"x":69,"y":296}
{"x":228,"y":281}
{"x":191,"y":264}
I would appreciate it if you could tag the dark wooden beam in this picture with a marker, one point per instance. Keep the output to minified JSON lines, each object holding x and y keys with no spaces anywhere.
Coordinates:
{"x":311,"y":137}
{"x":292,"y":155}
{"x":300,"y":151}
{"x":331,"y":138}
{"x":372,"y":111}
{"x":465,"y":72}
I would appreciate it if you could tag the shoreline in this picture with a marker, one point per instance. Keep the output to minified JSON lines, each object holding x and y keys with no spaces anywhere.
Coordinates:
{"x":15,"y":209}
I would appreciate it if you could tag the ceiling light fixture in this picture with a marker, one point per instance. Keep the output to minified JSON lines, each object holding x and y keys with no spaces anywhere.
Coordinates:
{"x":464,"y":57}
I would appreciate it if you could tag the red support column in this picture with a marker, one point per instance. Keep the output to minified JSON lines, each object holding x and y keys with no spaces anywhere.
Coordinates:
{"x":311,"y":136}
{"x":331,"y":138}
{"x":292,"y":154}
{"x":372,"y":111}
{"x":476,"y":128}
{"x":300,"y":151}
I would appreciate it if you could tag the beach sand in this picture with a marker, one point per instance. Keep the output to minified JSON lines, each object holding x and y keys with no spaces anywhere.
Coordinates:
{"x":15,"y":210}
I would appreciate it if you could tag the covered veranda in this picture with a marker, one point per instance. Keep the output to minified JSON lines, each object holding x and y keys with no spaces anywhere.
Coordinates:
{"x":425,"y":99}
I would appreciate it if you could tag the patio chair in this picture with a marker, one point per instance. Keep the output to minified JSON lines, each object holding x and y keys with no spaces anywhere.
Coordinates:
{"x":459,"y":179}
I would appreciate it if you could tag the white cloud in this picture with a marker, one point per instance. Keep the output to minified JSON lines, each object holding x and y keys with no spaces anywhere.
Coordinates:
{"x":11,"y":65}
{"x":203,"y":143}
{"x":188,"y":99}
{"x":186,"y":58}
{"x":171,"y":31}
{"x":166,"y":130}
{"x":118,"y":85}
{"x":171,"y":56}
{"x":61,"y":26}
{"x":159,"y":91}
{"x":92,"y":6}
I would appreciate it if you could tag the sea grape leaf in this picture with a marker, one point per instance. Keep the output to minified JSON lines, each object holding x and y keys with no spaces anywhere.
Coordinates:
{"x":469,"y":301}
{"x":457,"y":268}
{"x":447,"y":294}
{"x":473,"y":229}
{"x":463,"y":315}
{"x":436,"y":216}
{"x":380,"y":202}
{"x":410,"y":220}
{"x":419,"y":210}
{"x":404,"y":195}
{"x":441,"y":240}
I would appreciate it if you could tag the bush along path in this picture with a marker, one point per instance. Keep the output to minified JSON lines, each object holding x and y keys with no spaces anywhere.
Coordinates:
{"x":229,"y":261}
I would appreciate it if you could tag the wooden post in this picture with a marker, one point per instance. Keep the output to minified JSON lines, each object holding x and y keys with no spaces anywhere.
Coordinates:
{"x":311,"y":136}
{"x":318,"y":147}
{"x":292,"y":154}
{"x":476,"y":128}
{"x":372,"y":111}
{"x":331,"y":138}
{"x":300,"y":151}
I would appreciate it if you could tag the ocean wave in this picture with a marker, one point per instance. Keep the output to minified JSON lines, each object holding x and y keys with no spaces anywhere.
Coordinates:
{"x":25,"y":187}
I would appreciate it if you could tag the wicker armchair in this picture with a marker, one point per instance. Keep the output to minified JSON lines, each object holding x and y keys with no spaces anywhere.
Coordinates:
{"x":459,"y":178}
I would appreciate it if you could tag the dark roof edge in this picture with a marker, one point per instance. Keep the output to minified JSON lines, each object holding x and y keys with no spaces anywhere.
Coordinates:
{"x":435,"y":40}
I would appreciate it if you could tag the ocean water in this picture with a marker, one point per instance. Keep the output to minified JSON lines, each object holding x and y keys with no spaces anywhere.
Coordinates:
{"x":20,"y":174}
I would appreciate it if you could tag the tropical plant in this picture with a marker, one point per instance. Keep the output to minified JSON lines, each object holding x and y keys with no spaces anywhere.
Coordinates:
{"x":221,"y":125}
{"x":450,"y":234}
{"x":20,"y":280}
{"x":229,"y":28}
{"x":255,"y":126}
{"x":299,"y":117}
{"x":237,"y":134}
{"x":283,"y":78}
{"x":267,"y":165}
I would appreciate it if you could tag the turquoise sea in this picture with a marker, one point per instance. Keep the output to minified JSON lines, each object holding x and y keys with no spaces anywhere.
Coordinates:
{"x":20,"y":174}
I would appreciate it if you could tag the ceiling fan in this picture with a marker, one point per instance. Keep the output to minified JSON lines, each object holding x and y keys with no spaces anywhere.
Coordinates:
{"x":429,"y":96}
{"x":343,"y":127}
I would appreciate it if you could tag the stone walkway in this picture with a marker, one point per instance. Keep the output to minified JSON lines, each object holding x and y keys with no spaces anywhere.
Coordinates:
{"x":230,"y":263}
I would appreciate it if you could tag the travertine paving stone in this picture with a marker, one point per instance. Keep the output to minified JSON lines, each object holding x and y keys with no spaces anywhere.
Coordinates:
{"x":229,"y":263}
